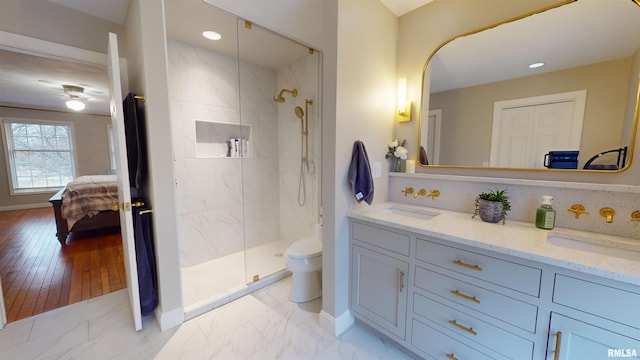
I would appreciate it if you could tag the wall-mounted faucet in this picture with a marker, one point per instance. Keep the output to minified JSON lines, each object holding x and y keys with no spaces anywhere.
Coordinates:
{"x":608,"y":214}
{"x":434,"y":194}
{"x":635,"y":216}
{"x":407,"y":191}
{"x":578,"y":209}
{"x":421,"y":192}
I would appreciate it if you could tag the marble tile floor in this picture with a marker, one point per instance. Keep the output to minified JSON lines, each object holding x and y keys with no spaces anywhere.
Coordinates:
{"x":262,"y":325}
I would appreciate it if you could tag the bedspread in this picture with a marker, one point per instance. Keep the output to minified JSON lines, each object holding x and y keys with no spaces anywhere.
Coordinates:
{"x":88,"y":195}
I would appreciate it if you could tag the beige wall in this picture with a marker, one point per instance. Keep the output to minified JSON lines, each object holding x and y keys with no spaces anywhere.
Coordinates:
{"x":44,"y":20}
{"x":606,"y":83}
{"x":422,"y":31}
{"x":633,"y":97}
{"x":91,"y":147}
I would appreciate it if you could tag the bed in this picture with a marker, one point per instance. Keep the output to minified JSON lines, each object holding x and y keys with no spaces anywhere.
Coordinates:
{"x":85,"y":204}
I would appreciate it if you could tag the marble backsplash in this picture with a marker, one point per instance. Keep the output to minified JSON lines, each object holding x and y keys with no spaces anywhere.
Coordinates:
{"x":458,"y":193}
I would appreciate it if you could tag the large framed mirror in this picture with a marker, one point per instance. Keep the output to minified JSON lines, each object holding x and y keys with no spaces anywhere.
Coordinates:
{"x":483,"y":106}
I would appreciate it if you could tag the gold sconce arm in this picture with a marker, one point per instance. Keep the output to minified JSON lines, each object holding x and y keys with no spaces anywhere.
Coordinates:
{"x":578,"y":209}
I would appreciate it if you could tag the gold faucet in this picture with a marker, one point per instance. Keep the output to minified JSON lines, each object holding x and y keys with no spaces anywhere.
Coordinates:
{"x":407,"y":191}
{"x":421,"y":192}
{"x":434,"y":194}
{"x":578,"y":209}
{"x":608,"y":214}
{"x":635,"y":216}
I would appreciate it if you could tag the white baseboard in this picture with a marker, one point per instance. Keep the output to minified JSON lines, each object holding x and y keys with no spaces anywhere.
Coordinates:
{"x":170,"y":319}
{"x":24,"y":206}
{"x":336,"y":325}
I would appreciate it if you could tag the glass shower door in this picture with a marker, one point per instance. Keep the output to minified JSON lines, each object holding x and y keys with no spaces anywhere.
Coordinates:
{"x":279,"y":102}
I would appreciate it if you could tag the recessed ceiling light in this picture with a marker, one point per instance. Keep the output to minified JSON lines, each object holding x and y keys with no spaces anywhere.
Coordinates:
{"x":211,"y":35}
{"x":536,"y":65}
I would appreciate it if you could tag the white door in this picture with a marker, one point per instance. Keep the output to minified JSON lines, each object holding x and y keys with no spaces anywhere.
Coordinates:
{"x":122,"y":171}
{"x":526,"y":129}
{"x":3,"y":312}
{"x":433,"y":137}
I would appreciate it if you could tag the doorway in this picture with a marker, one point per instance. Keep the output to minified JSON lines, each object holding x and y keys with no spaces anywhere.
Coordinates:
{"x":36,"y":206}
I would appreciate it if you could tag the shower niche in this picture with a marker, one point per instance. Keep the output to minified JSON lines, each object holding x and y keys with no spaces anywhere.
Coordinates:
{"x":222,"y":140}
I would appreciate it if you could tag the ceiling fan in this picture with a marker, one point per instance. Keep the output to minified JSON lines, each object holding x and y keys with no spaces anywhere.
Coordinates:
{"x":76,"y":97}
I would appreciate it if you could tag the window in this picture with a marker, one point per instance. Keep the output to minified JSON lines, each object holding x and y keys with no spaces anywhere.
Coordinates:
{"x":40,"y":155}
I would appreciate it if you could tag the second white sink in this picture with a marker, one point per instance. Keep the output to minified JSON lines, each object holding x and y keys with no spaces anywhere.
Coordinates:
{"x":598,"y":244}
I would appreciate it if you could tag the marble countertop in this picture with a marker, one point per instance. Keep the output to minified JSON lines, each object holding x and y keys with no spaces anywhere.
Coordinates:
{"x":515,"y":238}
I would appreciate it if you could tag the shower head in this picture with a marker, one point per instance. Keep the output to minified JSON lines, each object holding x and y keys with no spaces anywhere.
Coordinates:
{"x":299,"y":112}
{"x":279,"y":98}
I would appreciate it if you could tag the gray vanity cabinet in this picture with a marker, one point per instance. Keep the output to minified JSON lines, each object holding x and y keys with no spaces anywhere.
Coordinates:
{"x":444,"y":300}
{"x":593,"y":319}
{"x":379,"y":278}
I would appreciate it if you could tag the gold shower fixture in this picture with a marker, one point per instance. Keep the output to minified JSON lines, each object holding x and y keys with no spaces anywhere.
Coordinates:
{"x":279,"y":98}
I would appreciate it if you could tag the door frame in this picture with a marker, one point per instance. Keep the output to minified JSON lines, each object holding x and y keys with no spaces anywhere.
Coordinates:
{"x":52,"y":50}
{"x":579,"y":98}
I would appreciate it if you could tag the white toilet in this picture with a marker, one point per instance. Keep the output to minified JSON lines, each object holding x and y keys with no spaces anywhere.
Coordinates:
{"x":304,"y":260}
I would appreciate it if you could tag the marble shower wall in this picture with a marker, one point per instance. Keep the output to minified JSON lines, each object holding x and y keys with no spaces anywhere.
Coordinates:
{"x":225,"y":202}
{"x":297,"y":222}
{"x":212,"y":208}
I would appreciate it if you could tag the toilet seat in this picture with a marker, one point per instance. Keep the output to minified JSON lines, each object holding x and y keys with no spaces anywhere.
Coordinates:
{"x":305,"y":249}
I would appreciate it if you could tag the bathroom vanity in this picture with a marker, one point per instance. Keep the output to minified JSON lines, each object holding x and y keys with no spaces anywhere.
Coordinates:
{"x":446,"y":286}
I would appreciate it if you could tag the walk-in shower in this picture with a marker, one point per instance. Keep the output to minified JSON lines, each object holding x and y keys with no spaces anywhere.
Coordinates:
{"x":237,"y":215}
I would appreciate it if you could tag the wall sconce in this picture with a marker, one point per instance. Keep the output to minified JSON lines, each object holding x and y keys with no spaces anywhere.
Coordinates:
{"x":404,"y":106}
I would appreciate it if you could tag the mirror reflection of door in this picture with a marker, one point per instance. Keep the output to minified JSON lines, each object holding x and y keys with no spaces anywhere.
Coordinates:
{"x":524,"y":130}
{"x":433,"y":136}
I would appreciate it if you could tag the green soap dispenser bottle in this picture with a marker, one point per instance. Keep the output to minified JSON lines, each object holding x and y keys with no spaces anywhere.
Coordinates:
{"x":545,"y":214}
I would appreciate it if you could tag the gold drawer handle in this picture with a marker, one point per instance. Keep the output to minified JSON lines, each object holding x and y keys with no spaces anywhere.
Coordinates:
{"x":401,"y":280}
{"x":556,"y":355}
{"x":467,"y":329}
{"x":460,"y":263}
{"x":467,"y":297}
{"x":451,"y":357}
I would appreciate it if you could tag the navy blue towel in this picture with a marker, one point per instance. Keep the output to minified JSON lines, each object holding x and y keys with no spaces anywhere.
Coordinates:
{"x":146,"y":262}
{"x":360,"y":174}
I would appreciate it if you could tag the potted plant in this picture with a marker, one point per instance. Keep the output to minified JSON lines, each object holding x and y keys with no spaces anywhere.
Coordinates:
{"x":492,"y":206}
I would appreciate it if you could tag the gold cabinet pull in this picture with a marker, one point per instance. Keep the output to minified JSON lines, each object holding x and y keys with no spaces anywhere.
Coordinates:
{"x":556,"y":355}
{"x":460,"y":263}
{"x":401,"y":279}
{"x":451,"y":357}
{"x":461,"y":327}
{"x":470,"y":298}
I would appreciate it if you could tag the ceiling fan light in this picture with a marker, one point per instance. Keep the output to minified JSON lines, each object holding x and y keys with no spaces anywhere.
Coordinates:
{"x":75,"y":105}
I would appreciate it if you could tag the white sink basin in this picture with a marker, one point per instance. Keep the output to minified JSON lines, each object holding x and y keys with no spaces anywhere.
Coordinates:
{"x":410,"y":212}
{"x":598,"y":244}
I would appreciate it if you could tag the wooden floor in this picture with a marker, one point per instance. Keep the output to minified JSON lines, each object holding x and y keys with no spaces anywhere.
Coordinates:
{"x":38,"y":274}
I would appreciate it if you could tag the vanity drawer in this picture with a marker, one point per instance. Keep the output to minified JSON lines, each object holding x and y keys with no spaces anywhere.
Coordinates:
{"x":474,"y":329}
{"x":509,"y":310}
{"x":601,"y":300}
{"x":518,"y":277}
{"x":382,"y":238}
{"x":440,"y":346}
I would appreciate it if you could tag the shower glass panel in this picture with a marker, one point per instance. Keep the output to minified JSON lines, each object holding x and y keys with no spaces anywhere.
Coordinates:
{"x":279,"y":101}
{"x":238,"y":152}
